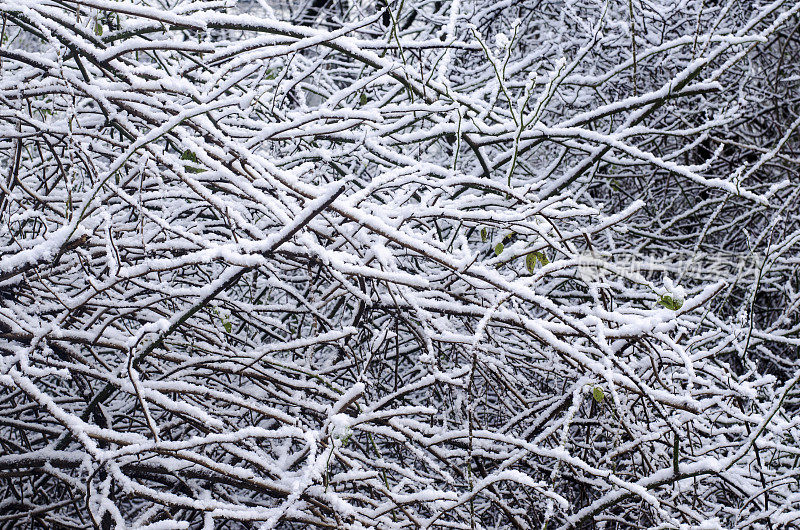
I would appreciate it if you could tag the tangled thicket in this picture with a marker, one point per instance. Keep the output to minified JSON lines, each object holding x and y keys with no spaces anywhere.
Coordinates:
{"x":406,"y":264}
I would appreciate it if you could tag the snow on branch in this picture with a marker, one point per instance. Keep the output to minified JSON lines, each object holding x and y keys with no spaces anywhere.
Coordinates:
{"x":421,"y":264}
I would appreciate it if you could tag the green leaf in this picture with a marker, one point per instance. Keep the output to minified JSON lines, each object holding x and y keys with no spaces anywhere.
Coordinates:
{"x":191,"y":157}
{"x":530,"y":262}
{"x":532,"y":258}
{"x":223,"y":318}
{"x":498,"y":249}
{"x":484,"y":234}
{"x":188,"y":155}
{"x":98,"y":29}
{"x":597,"y":394}
{"x":363,"y":99}
{"x":670,"y":303}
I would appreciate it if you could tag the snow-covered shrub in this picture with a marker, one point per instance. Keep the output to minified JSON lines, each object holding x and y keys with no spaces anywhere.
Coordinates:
{"x":441,"y":264}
